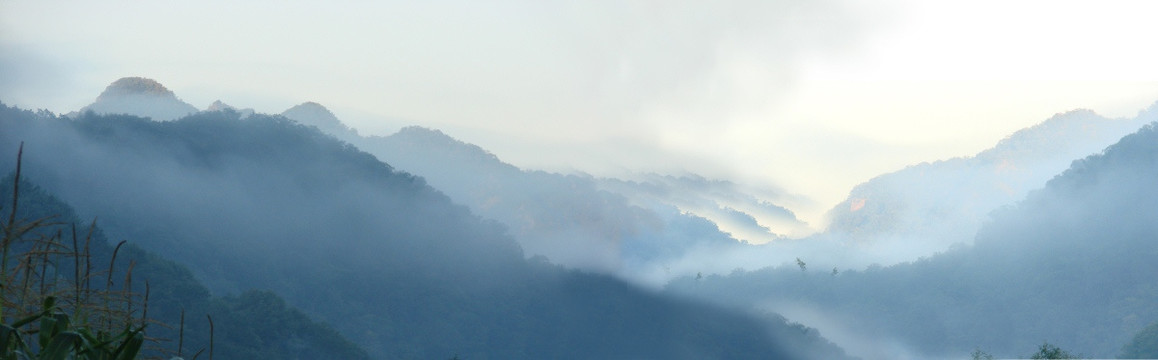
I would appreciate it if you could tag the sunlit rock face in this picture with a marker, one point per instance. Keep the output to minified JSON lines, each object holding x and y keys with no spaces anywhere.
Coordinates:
{"x":141,"y":97}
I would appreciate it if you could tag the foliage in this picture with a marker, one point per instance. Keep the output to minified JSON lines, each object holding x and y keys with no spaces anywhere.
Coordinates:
{"x":1144,"y":345}
{"x":1047,"y":351}
{"x":977,"y":354}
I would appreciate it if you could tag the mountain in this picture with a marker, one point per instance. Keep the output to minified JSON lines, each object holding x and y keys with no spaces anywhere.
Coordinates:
{"x":1071,"y":264}
{"x":314,"y":114}
{"x":570,"y":219}
{"x":393,"y":264}
{"x":648,"y":230}
{"x":930,"y":206}
{"x":142,"y":97}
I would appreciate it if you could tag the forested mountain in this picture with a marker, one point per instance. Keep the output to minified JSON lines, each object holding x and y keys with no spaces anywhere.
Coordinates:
{"x":640,"y":229}
{"x":1072,"y":264}
{"x":139,"y":96}
{"x":927,"y":207}
{"x":566,"y":218}
{"x":253,"y":324}
{"x":266,"y":203}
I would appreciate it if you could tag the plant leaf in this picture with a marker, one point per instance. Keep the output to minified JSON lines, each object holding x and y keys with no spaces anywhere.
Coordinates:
{"x":61,"y":345}
{"x":130,"y":347}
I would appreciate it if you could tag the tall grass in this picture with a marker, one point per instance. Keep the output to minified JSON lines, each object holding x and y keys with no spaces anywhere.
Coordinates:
{"x":48,"y":312}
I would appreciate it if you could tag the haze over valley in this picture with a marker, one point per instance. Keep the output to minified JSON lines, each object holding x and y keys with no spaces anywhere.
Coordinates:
{"x":510,"y":180}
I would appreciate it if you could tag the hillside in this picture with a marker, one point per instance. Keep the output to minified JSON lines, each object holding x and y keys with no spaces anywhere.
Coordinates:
{"x":927,"y":207}
{"x":1072,"y":264}
{"x":570,"y":219}
{"x":248,"y":324}
{"x":644,"y":230}
{"x":266,"y":203}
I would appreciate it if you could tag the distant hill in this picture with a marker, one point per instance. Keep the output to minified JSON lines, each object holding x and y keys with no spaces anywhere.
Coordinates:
{"x":314,"y":114}
{"x":142,"y":97}
{"x":930,"y":206}
{"x":571,"y":219}
{"x":267,"y":203}
{"x":607,"y":225}
{"x":1071,"y":264}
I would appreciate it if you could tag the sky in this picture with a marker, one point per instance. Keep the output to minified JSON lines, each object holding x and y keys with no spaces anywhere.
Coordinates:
{"x":801,"y":98}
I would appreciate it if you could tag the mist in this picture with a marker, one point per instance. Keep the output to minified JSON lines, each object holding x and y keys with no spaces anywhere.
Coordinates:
{"x":1064,"y":263}
{"x":266,"y":203}
{"x":513,"y":179}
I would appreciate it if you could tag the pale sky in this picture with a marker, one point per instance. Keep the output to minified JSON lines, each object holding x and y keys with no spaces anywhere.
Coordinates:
{"x":809,"y":97}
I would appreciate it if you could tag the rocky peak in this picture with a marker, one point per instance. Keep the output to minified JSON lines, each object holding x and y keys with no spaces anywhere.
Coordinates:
{"x":141,"y":97}
{"x":135,"y":86}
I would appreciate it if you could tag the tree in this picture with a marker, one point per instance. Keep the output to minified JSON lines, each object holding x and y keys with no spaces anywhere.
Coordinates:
{"x":801,"y":264}
{"x":977,"y":354}
{"x":1047,"y":351}
{"x":1144,"y":345}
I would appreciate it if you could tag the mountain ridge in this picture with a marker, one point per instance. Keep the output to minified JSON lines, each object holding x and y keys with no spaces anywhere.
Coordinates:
{"x":1070,"y":264}
{"x":390,"y":261}
{"x":948,"y":200}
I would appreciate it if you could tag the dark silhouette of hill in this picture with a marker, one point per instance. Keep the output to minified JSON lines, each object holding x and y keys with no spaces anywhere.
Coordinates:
{"x":254,"y":324}
{"x":1071,"y":264}
{"x":267,"y":203}
{"x":142,"y":97}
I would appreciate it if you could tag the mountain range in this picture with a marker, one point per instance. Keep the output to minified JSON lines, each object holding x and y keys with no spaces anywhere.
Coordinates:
{"x":265,"y":203}
{"x":366,"y":233}
{"x":1072,"y":263}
